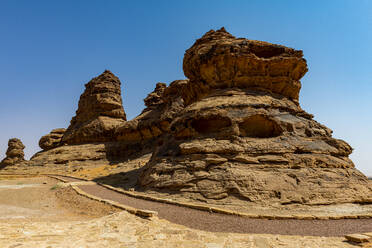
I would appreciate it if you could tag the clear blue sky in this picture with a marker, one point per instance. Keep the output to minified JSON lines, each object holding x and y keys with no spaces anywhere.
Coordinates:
{"x":50,"y":49}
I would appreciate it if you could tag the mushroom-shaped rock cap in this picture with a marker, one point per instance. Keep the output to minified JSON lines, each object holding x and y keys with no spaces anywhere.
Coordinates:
{"x":220,"y":60}
{"x":15,"y":143}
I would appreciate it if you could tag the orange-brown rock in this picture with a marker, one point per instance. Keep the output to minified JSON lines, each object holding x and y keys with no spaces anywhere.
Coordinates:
{"x":100,"y":111}
{"x":243,"y":135}
{"x":218,"y":60}
{"x":14,"y":153}
{"x":162,"y":105}
{"x":52,"y":140}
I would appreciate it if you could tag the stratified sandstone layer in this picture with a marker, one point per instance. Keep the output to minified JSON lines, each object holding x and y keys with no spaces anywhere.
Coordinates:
{"x":243,"y":135}
{"x":14,"y":153}
{"x":52,"y":140}
{"x":89,"y":145}
{"x":100,"y":111}
{"x":162,"y":105}
{"x":218,"y":60}
{"x":72,"y":155}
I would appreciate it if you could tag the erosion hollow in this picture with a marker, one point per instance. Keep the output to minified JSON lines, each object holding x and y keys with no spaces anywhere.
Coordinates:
{"x":259,"y":126}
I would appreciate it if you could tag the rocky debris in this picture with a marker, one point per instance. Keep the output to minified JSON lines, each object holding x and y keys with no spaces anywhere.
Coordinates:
{"x":52,"y":140}
{"x":243,"y":136}
{"x":100,"y":111}
{"x":14,"y":153}
{"x":359,"y":237}
{"x":162,"y":105}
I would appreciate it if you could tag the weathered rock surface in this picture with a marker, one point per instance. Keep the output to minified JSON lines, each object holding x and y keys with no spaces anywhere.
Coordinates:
{"x":103,"y":143}
{"x":243,"y":135}
{"x":14,"y":153}
{"x":126,"y":230}
{"x":100,"y":111}
{"x":52,"y":140}
{"x":70,"y":155}
{"x":218,"y":60}
{"x":162,"y":105}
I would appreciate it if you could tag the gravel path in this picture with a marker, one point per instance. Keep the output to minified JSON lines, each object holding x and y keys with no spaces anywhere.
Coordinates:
{"x":226,"y":223}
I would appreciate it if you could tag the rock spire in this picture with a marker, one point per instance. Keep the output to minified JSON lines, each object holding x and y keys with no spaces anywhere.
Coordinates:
{"x":100,"y":111}
{"x":14,"y":153}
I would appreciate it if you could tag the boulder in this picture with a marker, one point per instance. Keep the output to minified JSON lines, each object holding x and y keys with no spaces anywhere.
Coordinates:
{"x":242,"y":134}
{"x":14,"y":153}
{"x":100,"y":111}
{"x":52,"y":140}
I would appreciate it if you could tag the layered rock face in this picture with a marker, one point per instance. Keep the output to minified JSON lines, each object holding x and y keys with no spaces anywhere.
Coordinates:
{"x":162,"y":105}
{"x":218,"y":60}
{"x":14,"y":153}
{"x":100,"y":111}
{"x":125,"y":139}
{"x":52,"y":140}
{"x":243,"y":135}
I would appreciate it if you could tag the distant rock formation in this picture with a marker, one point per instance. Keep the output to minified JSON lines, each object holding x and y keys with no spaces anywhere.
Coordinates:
{"x":52,"y":140}
{"x":99,"y":113}
{"x":125,"y":140}
{"x":242,"y":134}
{"x":14,"y":153}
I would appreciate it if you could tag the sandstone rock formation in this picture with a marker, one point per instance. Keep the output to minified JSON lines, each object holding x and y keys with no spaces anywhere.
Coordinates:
{"x":52,"y":140}
{"x":218,"y":60}
{"x":71,"y":155}
{"x":100,"y":111}
{"x":243,"y":135}
{"x":14,"y":153}
{"x":127,"y":140}
{"x":162,"y":105}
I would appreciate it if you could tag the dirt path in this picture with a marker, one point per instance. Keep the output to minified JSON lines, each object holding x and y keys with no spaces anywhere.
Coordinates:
{"x":226,"y":223}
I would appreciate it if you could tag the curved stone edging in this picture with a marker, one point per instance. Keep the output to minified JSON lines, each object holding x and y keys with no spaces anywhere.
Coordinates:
{"x":231,"y":212}
{"x":207,"y":208}
{"x":135,"y":211}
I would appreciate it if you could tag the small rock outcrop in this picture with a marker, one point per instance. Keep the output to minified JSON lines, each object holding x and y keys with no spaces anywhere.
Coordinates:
{"x":100,"y":111}
{"x":242,"y":134}
{"x":52,"y":140}
{"x":162,"y":105}
{"x":14,"y":153}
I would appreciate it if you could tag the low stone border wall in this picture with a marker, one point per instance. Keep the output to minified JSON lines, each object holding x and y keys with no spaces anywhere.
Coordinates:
{"x":231,"y":212}
{"x":215,"y":209}
{"x":74,"y":186}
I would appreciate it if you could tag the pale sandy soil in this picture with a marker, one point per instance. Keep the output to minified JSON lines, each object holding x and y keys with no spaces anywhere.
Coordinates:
{"x":36,"y":212}
{"x":42,"y":199}
{"x":124,"y":175}
{"x":124,"y":230}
